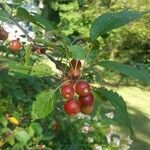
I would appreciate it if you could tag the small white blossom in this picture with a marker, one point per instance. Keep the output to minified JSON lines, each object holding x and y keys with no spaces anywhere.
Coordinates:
{"x":95,"y":118}
{"x":110,"y":115}
{"x":90,"y":140}
{"x":85,"y":129}
{"x":116,"y":141}
{"x":97,"y":147}
{"x":129,"y":141}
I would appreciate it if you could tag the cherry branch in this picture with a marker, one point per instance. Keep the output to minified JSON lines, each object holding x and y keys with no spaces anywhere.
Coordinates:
{"x":59,"y":64}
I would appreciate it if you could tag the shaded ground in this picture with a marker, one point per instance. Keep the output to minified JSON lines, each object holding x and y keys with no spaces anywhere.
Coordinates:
{"x":138,"y":101}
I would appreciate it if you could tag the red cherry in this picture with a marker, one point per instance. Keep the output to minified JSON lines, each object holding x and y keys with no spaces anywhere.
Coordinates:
{"x":15,"y":45}
{"x":86,"y":109}
{"x":82,"y":88}
{"x":67,"y":91}
{"x":75,"y":64}
{"x":86,"y":100}
{"x":3,"y":35}
{"x":72,"y":107}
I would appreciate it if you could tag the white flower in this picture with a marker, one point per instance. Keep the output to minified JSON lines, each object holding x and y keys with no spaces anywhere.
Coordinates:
{"x":110,"y":115}
{"x":97,"y":147}
{"x":129,"y":141}
{"x":108,"y":136}
{"x":125,"y":147}
{"x":87,"y":128}
{"x":116,"y":141}
{"x":90,"y":140}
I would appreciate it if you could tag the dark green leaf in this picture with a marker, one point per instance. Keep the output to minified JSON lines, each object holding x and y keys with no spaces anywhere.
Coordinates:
{"x":142,"y":75}
{"x":43,"y":105}
{"x":81,"y":3}
{"x":109,"y":21}
{"x":4,"y":16}
{"x":24,"y":14}
{"x":117,"y":102}
{"x":46,"y":24}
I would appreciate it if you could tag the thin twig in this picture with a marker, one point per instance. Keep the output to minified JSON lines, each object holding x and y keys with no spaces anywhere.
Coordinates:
{"x":57,"y":63}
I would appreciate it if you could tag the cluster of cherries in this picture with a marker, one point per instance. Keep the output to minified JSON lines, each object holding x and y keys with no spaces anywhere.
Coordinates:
{"x":77,"y":92}
{"x":14,"y":45}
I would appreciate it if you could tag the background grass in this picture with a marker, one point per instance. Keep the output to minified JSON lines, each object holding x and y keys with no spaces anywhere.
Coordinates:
{"x":138,"y":102}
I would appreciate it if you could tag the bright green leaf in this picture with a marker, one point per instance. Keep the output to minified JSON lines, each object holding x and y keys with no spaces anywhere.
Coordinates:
{"x":41,"y":70}
{"x":142,"y":75}
{"x":43,"y":105}
{"x":27,"y":54}
{"x":3,"y":121}
{"x":109,"y":21}
{"x":21,"y":135}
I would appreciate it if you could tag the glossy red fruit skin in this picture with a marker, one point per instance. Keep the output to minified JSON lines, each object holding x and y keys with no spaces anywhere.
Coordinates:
{"x":75,"y":64}
{"x":86,"y":109}
{"x":3,"y":35}
{"x":67,"y":91}
{"x":82,"y":88}
{"x":15,"y":45}
{"x":72,"y":107}
{"x":86,"y":100}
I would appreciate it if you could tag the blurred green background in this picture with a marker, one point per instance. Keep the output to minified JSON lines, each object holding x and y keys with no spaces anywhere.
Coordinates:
{"x":129,"y":44}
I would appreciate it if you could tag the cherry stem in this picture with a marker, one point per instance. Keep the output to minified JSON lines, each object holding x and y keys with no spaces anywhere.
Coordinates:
{"x":60,"y":85}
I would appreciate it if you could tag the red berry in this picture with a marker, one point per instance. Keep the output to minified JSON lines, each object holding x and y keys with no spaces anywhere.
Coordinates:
{"x":86,"y":100}
{"x":72,"y":107}
{"x":75,"y":64}
{"x":15,"y":45}
{"x":82,"y":88}
{"x":86,"y":109}
{"x":3,"y":35}
{"x":67,"y":91}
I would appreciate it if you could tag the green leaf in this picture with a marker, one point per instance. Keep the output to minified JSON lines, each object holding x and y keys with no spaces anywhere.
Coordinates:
{"x":81,"y":3}
{"x":41,"y":70}
{"x":142,"y":75}
{"x":27,"y":55}
{"x":11,"y":140}
{"x":46,"y":24}
{"x":3,"y":121}
{"x":77,"y":52}
{"x":109,"y":21}
{"x":118,"y":103}
{"x":21,"y":135}
{"x":24,"y":14}
{"x":43,"y":105}
{"x":37,"y":128}
{"x":17,"y":69}
{"x":3,"y":16}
